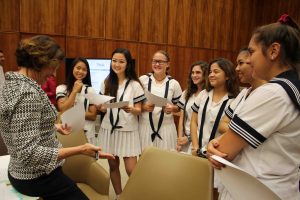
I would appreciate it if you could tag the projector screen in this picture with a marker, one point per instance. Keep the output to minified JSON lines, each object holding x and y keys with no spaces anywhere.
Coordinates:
{"x":99,"y":69}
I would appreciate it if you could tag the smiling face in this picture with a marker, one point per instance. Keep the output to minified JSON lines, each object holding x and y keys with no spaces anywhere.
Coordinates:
{"x":244,"y":69}
{"x":160,"y":63}
{"x":197,"y":75}
{"x":80,"y":70}
{"x":216,"y":77}
{"x":119,"y":63}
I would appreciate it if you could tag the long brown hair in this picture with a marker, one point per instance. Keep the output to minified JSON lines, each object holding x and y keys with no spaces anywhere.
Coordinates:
{"x":191,"y":87}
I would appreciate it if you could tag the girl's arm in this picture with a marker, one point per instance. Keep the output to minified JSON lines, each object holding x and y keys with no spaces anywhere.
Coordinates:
{"x":194,"y":127}
{"x":136,"y":109}
{"x":223,"y":125}
{"x":86,"y":149}
{"x":91,"y":114}
{"x":65,"y":103}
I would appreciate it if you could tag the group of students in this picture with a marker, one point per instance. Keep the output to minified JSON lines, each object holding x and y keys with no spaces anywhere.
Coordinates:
{"x":256,"y":128}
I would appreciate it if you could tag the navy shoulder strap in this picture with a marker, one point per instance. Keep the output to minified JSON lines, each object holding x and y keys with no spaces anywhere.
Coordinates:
{"x":292,"y":88}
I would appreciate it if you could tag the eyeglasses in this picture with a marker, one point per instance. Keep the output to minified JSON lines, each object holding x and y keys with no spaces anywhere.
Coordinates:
{"x":160,"y":62}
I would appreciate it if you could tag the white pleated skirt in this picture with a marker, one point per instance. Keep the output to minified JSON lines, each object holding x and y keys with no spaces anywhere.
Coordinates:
{"x":167,"y":132}
{"x":120,"y":143}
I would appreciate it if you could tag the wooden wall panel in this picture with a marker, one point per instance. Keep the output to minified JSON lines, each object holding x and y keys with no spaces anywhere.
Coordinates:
{"x":196,"y":23}
{"x":182,"y":58}
{"x":8,"y":44}
{"x":122,"y":19}
{"x":85,"y":18}
{"x":225,"y":54}
{"x":85,"y":47}
{"x":186,"y":23}
{"x":146,"y":52}
{"x":111,"y":45}
{"x":266,"y":14}
{"x":244,"y":22}
{"x":153,"y":21}
{"x":9,"y":19}
{"x":43,"y":17}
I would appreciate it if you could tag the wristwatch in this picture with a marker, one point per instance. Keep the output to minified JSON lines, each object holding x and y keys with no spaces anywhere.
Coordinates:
{"x":202,"y":152}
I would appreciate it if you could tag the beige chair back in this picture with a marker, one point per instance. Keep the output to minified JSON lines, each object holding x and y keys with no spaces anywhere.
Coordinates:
{"x":84,"y":170}
{"x":165,"y":175}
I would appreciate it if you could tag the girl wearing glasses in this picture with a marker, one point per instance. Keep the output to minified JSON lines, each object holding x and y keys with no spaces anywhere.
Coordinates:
{"x":157,"y":127}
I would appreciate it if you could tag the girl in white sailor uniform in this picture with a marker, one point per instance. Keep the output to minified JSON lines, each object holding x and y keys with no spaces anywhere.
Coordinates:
{"x":157,"y":127}
{"x":119,"y":128}
{"x":244,"y":71}
{"x":210,"y":105}
{"x":264,"y":134}
{"x":78,"y":84}
{"x":196,"y":83}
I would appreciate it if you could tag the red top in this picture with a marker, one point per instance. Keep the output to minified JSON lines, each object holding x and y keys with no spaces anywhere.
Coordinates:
{"x":50,"y":88}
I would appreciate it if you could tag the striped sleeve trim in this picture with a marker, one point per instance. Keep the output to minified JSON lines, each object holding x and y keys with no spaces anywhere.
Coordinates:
{"x":248,"y":133}
{"x":229,"y":112}
{"x":195,"y":108}
{"x":139,"y":98}
{"x":176,"y":99}
{"x":180,"y":105}
{"x":60,"y":95}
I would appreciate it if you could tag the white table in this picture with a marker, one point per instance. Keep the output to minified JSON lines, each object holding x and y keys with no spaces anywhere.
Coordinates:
{"x":7,"y":192}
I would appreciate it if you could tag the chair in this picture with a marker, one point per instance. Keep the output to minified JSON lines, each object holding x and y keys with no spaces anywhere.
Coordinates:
{"x":165,"y":175}
{"x":90,"y":177}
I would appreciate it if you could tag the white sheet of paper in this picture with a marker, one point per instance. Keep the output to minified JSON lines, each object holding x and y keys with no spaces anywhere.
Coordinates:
{"x":74,"y":117}
{"x":97,"y":99}
{"x":156,"y":100}
{"x":117,"y":104}
{"x":242,"y":185}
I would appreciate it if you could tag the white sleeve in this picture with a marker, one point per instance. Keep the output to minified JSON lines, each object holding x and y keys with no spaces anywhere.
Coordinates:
{"x":61,"y":91}
{"x":177,"y":92}
{"x":264,"y":112}
{"x":139,"y":94}
{"x":181,"y":101}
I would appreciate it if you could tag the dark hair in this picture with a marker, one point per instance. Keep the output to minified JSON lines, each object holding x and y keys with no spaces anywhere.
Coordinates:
{"x":227,"y":66}
{"x":111,"y":81}
{"x":244,"y":49}
{"x":38,"y":52}
{"x":287,"y":35}
{"x":71,"y":79}
{"x":192,"y":88}
{"x":1,"y":51}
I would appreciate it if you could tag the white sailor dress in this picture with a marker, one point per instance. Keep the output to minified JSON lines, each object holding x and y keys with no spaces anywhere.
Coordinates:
{"x":269,"y":121}
{"x":119,"y":132}
{"x":158,"y":128}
